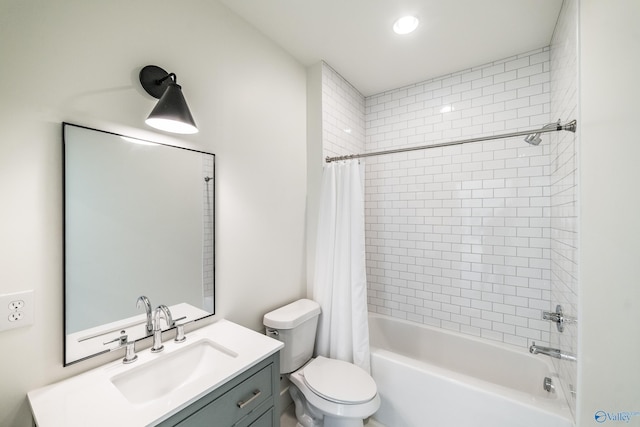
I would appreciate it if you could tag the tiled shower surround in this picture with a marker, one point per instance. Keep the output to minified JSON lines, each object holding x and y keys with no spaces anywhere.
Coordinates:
{"x":457,"y":237}
{"x":343,"y":108}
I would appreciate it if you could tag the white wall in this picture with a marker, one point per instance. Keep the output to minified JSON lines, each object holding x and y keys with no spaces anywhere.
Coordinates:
{"x":609,"y":295}
{"x":314,"y":164}
{"x":78,"y":61}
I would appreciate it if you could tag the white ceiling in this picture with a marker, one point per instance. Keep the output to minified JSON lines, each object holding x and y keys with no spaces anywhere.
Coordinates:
{"x":355,"y":37}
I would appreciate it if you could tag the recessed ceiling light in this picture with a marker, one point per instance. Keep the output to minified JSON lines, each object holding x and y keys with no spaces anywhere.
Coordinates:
{"x":405,"y":25}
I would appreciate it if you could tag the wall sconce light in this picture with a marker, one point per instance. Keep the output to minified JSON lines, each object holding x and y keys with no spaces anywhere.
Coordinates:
{"x":171,"y":113}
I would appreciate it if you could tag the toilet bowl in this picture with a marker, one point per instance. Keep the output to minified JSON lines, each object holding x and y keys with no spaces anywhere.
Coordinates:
{"x":326,"y":392}
{"x":338,"y":393}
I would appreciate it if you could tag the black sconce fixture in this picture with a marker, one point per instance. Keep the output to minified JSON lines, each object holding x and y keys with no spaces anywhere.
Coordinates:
{"x":171,"y":113}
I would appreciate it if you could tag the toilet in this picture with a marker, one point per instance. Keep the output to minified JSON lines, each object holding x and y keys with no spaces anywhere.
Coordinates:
{"x":326,"y":392}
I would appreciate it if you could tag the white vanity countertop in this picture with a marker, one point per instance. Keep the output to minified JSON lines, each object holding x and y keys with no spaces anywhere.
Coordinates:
{"x":91,"y":398}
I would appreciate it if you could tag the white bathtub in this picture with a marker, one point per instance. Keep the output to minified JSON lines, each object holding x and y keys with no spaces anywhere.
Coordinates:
{"x":429,"y":377}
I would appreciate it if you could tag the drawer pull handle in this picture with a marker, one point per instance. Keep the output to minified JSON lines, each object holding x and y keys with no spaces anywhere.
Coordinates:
{"x":242,"y":404}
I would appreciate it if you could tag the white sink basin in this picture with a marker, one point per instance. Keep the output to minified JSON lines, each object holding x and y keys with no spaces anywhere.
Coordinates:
{"x":170,"y":372}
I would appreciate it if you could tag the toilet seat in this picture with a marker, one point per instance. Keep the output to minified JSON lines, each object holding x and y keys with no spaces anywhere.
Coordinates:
{"x":339,"y":381}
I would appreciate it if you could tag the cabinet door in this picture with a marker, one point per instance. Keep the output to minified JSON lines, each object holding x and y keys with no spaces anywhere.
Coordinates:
{"x":265,"y":420}
{"x":236,"y":403}
{"x":240,"y":402}
{"x":244,"y":400}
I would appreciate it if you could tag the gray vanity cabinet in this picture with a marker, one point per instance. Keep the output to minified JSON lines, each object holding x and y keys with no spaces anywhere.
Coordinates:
{"x":249,"y":400}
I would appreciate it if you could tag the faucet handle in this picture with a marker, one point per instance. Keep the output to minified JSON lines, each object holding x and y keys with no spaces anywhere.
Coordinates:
{"x":122,"y":339}
{"x":130,"y":352}
{"x":558,"y":317}
{"x":180,"y":337}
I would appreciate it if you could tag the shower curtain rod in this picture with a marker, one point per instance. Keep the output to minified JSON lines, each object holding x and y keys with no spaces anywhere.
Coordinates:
{"x":570,"y":126}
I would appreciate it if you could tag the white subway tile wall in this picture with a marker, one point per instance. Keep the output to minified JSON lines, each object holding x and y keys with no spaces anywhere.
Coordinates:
{"x":564,"y":192}
{"x":342,"y":115}
{"x":459,"y":237}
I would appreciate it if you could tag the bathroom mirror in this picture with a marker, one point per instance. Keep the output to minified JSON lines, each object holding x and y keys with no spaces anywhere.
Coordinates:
{"x":138,"y":220}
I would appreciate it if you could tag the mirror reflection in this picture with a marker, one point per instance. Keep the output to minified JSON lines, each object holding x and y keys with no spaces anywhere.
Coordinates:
{"x":138,"y":222}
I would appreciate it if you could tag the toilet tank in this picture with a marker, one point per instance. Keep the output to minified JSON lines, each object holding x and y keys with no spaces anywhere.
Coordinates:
{"x":295,"y":325}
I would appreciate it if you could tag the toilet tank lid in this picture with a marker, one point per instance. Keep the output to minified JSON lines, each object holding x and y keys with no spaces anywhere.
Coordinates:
{"x":291,"y":315}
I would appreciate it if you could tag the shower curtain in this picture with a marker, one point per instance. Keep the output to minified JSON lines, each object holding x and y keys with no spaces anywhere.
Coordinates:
{"x":340,"y":285}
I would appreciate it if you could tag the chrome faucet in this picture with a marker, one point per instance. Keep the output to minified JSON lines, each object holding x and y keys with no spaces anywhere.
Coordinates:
{"x":142,"y":300}
{"x":551,"y":352}
{"x":161,"y":311}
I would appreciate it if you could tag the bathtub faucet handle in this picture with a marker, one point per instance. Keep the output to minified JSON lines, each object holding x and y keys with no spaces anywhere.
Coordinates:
{"x":557,"y":317}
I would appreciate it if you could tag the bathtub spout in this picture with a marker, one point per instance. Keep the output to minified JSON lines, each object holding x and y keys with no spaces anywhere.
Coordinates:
{"x":551,"y":352}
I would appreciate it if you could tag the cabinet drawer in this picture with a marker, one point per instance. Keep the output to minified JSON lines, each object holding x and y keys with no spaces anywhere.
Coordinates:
{"x":235,"y":403}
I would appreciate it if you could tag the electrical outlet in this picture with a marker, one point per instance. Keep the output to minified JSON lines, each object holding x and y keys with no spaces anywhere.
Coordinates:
{"x":14,"y":316}
{"x":16,"y":310}
{"x":16,"y":305}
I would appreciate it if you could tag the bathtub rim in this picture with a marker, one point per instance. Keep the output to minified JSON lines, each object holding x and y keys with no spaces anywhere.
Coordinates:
{"x":486,"y":341}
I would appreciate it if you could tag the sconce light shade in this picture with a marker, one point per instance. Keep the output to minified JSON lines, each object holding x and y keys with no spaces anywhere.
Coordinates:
{"x":171,"y":113}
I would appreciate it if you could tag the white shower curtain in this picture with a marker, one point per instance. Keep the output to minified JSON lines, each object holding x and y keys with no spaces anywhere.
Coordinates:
{"x":340,"y":285}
